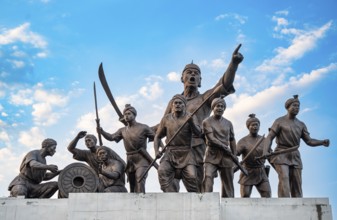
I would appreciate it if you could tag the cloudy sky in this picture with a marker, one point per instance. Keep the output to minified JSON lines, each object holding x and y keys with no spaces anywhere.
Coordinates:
{"x":50,"y":52}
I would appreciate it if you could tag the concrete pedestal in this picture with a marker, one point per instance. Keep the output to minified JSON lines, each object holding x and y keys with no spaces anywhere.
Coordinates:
{"x":276,"y":208}
{"x":144,"y":206}
{"x":162,"y":206}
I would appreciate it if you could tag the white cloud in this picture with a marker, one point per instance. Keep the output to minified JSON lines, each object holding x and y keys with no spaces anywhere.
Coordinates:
{"x":17,"y":64}
{"x":47,"y":105}
{"x":217,"y":64}
{"x":32,"y":138}
{"x":2,"y":123}
{"x":241,"y":38}
{"x":51,"y":97}
{"x":220,"y":17}
{"x":303,"y":42}
{"x":314,"y":75}
{"x":245,"y":104}
{"x":22,"y":97}
{"x":173,"y":76}
{"x":282,"y":12}
{"x":44,"y":112}
{"x":4,"y":136}
{"x":22,"y":34}
{"x":4,"y":114}
{"x":239,"y":18}
{"x":9,"y":165}
{"x":19,"y":54}
{"x":152,"y":91}
{"x":281,"y":22}
{"x":42,"y":55}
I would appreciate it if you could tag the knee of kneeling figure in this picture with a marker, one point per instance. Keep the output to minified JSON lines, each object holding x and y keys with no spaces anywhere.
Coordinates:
{"x":19,"y":190}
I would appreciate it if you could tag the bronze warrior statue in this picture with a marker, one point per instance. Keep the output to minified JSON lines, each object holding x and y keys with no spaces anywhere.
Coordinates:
{"x":288,"y":131}
{"x":178,"y":160}
{"x":249,"y":147}
{"x":221,"y":148}
{"x":135,"y":136}
{"x":110,"y":171}
{"x":191,"y":78}
{"x":90,"y":156}
{"x":33,"y":171}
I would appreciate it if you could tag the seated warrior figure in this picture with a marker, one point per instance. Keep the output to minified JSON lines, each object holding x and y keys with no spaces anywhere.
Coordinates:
{"x":33,"y":171}
{"x":110,"y":172}
{"x":90,"y":156}
{"x":134,"y":136}
{"x":178,"y":160}
{"x":289,"y":131}
{"x":257,"y":175}
{"x":221,"y":145}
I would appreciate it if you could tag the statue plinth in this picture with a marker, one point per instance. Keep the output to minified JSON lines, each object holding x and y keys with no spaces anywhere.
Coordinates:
{"x":153,"y":206}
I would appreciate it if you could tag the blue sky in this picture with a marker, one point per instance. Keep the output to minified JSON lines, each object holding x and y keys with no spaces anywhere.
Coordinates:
{"x":50,"y":52}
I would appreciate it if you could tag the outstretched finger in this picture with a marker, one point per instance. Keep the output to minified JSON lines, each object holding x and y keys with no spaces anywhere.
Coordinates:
{"x":237,"y":49}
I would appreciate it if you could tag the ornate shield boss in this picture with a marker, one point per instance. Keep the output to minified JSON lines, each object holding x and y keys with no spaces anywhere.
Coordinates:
{"x":77,"y":178}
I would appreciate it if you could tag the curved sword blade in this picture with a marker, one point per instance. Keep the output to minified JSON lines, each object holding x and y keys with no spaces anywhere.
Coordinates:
{"x":108,"y":93}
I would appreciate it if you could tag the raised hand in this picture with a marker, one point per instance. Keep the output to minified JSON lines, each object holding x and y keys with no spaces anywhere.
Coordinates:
{"x":237,"y":57}
{"x":81,"y":134}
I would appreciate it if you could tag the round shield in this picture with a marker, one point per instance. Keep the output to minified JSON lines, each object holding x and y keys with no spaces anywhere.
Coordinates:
{"x":77,"y":178}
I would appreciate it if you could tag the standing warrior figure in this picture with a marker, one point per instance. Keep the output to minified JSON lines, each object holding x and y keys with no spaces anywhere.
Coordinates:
{"x":134,"y":136}
{"x":111,"y":172}
{"x":221,"y":147}
{"x":257,"y":175}
{"x":178,"y":160}
{"x":288,"y":131}
{"x":33,"y":171}
{"x":90,"y":156}
{"x":191,"y":78}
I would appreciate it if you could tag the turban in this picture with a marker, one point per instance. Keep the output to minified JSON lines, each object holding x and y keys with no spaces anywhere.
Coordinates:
{"x":252,"y":119}
{"x":291,"y":101}
{"x":181,"y":97}
{"x":191,"y":66}
{"x":218,"y":100}
{"x":128,"y":107}
{"x":48,"y":142}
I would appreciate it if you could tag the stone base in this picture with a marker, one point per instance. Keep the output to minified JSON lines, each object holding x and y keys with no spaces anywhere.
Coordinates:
{"x":276,"y":208}
{"x":153,"y":206}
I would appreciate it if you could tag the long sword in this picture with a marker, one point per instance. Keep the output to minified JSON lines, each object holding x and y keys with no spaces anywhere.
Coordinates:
{"x":97,"y":118}
{"x":109,"y":94}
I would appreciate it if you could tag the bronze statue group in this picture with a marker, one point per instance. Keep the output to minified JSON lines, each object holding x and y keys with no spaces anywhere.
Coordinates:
{"x":198,"y":147}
